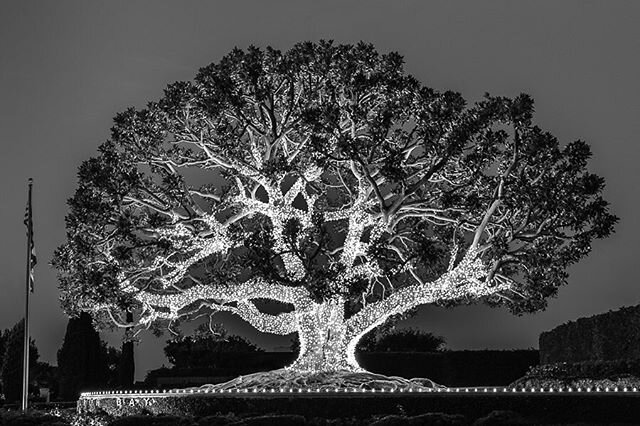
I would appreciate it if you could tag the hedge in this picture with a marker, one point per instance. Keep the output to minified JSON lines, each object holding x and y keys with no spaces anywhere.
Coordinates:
{"x":590,"y":369}
{"x":610,"y":336}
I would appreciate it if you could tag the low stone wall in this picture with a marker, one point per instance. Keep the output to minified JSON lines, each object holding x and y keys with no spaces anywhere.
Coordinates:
{"x":546,"y":407}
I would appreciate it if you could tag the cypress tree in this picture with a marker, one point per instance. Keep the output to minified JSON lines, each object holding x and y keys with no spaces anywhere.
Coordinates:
{"x":81,"y":359}
{"x":126,"y":365}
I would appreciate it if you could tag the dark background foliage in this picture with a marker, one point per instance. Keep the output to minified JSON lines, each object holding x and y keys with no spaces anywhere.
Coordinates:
{"x":610,"y":336}
{"x":207,"y":350}
{"x":13,"y":360}
{"x":401,"y":340}
{"x":84,"y":361}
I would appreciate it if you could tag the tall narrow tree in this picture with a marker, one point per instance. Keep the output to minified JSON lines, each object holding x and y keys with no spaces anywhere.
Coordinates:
{"x":82,"y":363}
{"x":126,"y":366}
{"x":328,"y":180}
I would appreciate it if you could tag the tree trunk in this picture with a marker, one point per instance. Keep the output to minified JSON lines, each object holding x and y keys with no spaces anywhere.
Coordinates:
{"x":323,"y":339}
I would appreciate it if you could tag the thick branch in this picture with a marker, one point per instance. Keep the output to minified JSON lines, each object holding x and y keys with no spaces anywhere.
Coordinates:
{"x":283,"y":323}
{"x":256,"y":288}
{"x":466,"y":279}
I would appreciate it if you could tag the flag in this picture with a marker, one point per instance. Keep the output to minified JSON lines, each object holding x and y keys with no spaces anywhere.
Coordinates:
{"x":28,"y":221}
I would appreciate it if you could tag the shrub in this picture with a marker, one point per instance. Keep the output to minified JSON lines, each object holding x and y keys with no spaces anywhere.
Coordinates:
{"x":33,"y":418}
{"x":587,"y":374}
{"x":587,"y":369}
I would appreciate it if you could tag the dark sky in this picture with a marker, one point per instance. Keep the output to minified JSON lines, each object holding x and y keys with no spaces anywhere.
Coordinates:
{"x":67,"y":67}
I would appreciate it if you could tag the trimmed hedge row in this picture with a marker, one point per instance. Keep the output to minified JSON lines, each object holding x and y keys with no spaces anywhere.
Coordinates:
{"x":587,"y":374}
{"x":450,"y":368}
{"x":587,"y":369}
{"x":610,"y":336}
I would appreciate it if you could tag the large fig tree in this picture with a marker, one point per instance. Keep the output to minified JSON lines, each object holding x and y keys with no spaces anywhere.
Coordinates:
{"x":328,"y":180}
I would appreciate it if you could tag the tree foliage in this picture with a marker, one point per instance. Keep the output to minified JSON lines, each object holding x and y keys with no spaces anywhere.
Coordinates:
{"x":324,"y":173}
{"x":13,"y":360}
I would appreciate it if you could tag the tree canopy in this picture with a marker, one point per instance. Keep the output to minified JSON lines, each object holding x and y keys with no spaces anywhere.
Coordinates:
{"x":324,"y":173}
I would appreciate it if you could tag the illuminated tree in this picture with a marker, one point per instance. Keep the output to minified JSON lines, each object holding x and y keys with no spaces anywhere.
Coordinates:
{"x":329,"y":181}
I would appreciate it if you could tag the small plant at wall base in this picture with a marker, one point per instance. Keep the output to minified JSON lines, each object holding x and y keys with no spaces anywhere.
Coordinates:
{"x":328,"y":180}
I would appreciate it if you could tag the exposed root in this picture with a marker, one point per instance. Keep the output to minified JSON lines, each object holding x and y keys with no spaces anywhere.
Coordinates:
{"x":293,"y":380}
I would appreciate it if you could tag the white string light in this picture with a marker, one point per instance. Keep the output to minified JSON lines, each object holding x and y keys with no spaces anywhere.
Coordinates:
{"x":166,"y":290}
{"x":327,"y":339}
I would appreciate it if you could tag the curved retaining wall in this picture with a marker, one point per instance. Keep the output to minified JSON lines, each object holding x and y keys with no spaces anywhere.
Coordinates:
{"x":603,"y":405}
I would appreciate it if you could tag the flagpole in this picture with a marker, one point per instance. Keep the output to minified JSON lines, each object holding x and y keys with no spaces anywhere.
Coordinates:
{"x":25,"y":362}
